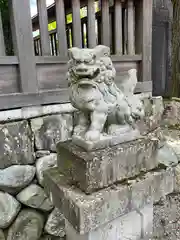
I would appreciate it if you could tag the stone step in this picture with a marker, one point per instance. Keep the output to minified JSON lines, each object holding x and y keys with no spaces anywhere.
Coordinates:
{"x":88,"y":212}
{"x":101,"y":168}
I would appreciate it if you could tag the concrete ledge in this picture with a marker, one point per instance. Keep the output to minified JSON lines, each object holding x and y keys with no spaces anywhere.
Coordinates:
{"x":88,"y":212}
{"x":36,"y":111}
{"x":101,"y":168}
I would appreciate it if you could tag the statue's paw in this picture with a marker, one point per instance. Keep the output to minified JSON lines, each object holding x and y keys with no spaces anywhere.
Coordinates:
{"x":92,"y":136}
{"x":78,"y":130}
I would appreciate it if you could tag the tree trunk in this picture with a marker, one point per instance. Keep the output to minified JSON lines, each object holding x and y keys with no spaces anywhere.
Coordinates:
{"x":176,"y":49}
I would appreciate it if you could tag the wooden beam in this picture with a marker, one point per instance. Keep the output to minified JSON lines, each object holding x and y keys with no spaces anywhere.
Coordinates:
{"x":2,"y":45}
{"x":17,"y":100}
{"x":118,"y":27}
{"x":143,"y":31}
{"x":43,"y":27}
{"x":61,"y":27}
{"x":131,"y":25}
{"x":77,"y":37}
{"x":91,"y":24}
{"x":105,"y":23}
{"x":23,"y":44}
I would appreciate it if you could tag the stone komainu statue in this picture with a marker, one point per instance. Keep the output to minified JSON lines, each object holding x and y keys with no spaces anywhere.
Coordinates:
{"x":101,"y":103}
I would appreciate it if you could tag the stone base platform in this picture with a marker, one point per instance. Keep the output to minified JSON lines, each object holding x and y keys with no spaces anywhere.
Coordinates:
{"x":87,"y":213}
{"x":102,"y":168}
{"x":134,"y":225}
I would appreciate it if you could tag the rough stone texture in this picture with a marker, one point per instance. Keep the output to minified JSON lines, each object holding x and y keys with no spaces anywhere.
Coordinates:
{"x":43,"y":164}
{"x":55,"y":224}
{"x":134,"y":226}
{"x":27,"y":226}
{"x":104,"y":167}
{"x":166,"y":156}
{"x":16,"y":144}
{"x":2,"y":237}
{"x":177,"y":179}
{"x":9,"y":208}
{"x":154,"y":108}
{"x":51,"y":129}
{"x":42,"y":153}
{"x":34,"y":196}
{"x":171,"y":115}
{"x":88,"y":212}
{"x":15,"y":178}
{"x":167,"y":218}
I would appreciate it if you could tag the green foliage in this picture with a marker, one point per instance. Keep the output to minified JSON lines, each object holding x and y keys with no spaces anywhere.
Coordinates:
{"x":6,"y":26}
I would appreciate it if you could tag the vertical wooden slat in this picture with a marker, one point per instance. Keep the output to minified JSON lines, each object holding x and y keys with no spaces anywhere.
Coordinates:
{"x":2,"y":45}
{"x":61,"y":27}
{"x":131,"y":25}
{"x":105,"y":22}
{"x":43,"y":25}
{"x":118,"y":27}
{"x":125,"y":33}
{"x":23,"y":44}
{"x":144,"y":37}
{"x":99,"y":30}
{"x":77,"y":38}
{"x":91,"y":24}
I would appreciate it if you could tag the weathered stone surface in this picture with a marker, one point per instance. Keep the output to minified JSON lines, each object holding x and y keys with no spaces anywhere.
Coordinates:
{"x":135,"y":225}
{"x":102,"y":168}
{"x":27,"y":226}
{"x":42,"y":153}
{"x":171,"y":116}
{"x":44,"y":164}
{"x":15,"y":178}
{"x":88,"y":212}
{"x":16,"y":144}
{"x":55,"y":224}
{"x":2,"y":237}
{"x":177,"y":178}
{"x":9,"y":208}
{"x":154,"y":109}
{"x":166,"y":156}
{"x":34,"y":196}
{"x":51,"y":129}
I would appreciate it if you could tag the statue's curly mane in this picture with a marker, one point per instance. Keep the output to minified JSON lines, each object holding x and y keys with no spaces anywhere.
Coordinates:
{"x":103,"y":81}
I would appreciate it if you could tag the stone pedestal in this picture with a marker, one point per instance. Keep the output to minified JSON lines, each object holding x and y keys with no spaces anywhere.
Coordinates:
{"x":108,"y":194}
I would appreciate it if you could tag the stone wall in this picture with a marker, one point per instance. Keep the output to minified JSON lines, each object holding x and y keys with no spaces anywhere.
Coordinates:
{"x":28,"y":139}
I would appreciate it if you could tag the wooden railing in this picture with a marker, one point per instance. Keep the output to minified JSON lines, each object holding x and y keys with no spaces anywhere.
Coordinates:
{"x":36,"y":74}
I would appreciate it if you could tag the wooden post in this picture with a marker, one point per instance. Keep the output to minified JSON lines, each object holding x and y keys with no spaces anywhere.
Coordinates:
{"x":43,"y":25}
{"x":118,"y":27}
{"x":61,"y":28}
{"x":23,"y":44}
{"x":2,"y":45}
{"x":131,"y":25}
{"x":105,"y":22}
{"x":91,"y":24}
{"x":77,"y":38}
{"x":144,"y":36}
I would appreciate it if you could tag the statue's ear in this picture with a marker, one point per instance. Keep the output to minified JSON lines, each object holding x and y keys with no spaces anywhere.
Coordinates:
{"x":102,"y":51}
{"x":72,"y":52}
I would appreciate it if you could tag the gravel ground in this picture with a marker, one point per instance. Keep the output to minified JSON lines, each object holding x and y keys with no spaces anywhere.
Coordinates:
{"x":167,"y":218}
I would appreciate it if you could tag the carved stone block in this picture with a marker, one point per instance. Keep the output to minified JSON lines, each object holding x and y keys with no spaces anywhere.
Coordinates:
{"x":101,"y":168}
